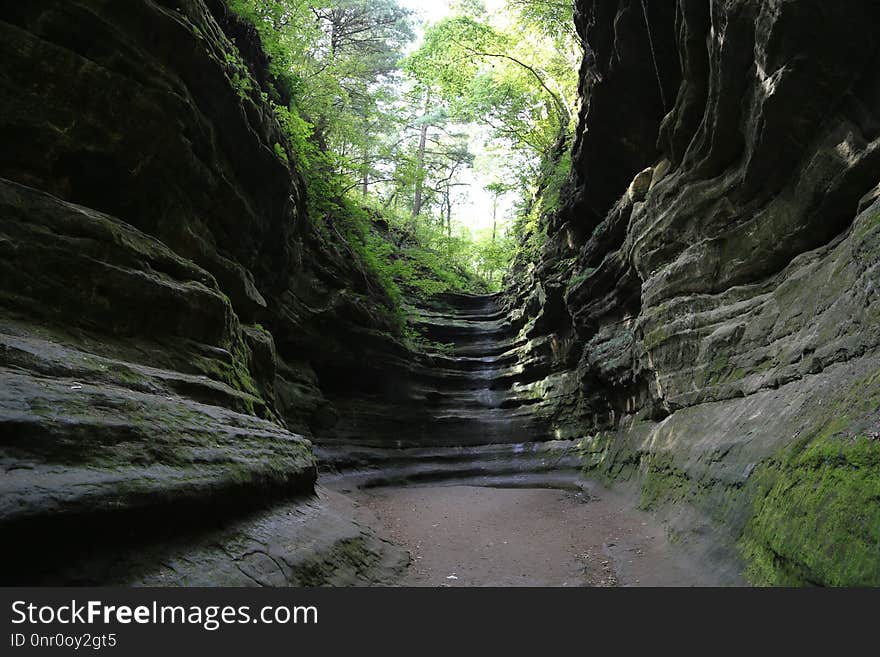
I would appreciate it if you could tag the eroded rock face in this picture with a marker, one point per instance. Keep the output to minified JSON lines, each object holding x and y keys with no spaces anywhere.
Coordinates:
{"x":474,"y":410}
{"x":714,"y":272}
{"x":169,"y":318}
{"x":174,"y":331}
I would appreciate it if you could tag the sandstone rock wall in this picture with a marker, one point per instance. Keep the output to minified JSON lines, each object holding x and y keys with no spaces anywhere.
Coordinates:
{"x":169,"y":316}
{"x":710,"y":286}
{"x":703,"y":320}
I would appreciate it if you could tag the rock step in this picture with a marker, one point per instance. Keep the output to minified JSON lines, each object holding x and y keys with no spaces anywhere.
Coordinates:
{"x":462,"y":303}
{"x":483,"y":348}
{"x":375,"y":429}
{"x":470,"y":363}
{"x":467,"y":334}
{"x":452,"y":314}
{"x":489,"y":399}
{"x":428,"y":317}
{"x":552,"y":464}
{"x":465,"y":394}
{"x":500,"y":381}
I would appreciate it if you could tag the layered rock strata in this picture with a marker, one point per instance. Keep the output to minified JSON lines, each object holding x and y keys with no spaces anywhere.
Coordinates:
{"x":702,"y":323}
{"x":713,"y":276}
{"x":169,"y":312}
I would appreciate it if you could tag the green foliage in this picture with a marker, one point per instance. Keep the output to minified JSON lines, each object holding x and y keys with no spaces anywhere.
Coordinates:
{"x":424,"y":259}
{"x":517,"y":81}
{"x":447,"y":59}
{"x":547,"y":199}
{"x":317,"y":166}
{"x":281,"y":154}
{"x":553,"y":179}
{"x":374,"y":133}
{"x":239,"y":74}
{"x":551,"y":18}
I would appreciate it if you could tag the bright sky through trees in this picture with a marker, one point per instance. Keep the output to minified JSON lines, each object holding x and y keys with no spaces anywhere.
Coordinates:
{"x":447,"y":120}
{"x":473,"y":203}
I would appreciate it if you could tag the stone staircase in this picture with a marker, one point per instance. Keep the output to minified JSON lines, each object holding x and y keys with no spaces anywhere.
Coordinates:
{"x":476,"y":419}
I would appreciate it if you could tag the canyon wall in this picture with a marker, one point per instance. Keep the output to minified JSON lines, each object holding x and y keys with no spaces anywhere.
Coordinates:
{"x":178,"y":325}
{"x":707,"y":303}
{"x":171,"y":315}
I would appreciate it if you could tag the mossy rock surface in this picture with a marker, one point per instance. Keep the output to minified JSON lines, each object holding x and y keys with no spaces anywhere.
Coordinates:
{"x":818,"y":519}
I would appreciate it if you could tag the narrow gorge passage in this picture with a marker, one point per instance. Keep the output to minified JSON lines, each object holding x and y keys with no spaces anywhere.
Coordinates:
{"x":251,"y":332}
{"x":491,"y":502}
{"x":476,"y":421}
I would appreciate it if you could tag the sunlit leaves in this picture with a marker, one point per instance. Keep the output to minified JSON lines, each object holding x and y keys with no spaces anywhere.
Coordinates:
{"x":517,"y":81}
{"x":397,"y":132}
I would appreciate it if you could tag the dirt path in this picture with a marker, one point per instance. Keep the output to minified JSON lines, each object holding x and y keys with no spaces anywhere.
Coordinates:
{"x":467,"y":536}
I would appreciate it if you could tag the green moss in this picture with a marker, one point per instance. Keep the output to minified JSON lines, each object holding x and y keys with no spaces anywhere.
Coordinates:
{"x":817,"y":519}
{"x":235,"y":374}
{"x":601,"y":462}
{"x":717,"y":369}
{"x":816,"y":505}
{"x":580,"y":277}
{"x":592,"y":450}
{"x":564,"y":266}
{"x":663,"y":483}
{"x":871,"y":224}
{"x":347,"y":555}
{"x":810,"y":514}
{"x":722,"y":370}
{"x":657,"y":337}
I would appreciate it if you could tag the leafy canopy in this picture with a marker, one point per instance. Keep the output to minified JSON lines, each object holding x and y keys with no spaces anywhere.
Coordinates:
{"x":382,"y":129}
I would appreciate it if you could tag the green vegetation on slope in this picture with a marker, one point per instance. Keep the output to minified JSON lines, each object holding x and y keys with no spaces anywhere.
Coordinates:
{"x":384,"y":132}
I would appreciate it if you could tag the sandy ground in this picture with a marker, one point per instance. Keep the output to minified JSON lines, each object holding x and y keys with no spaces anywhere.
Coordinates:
{"x":468,"y":536}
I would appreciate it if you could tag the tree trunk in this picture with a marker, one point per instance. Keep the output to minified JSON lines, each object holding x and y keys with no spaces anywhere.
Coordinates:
{"x":420,"y":165}
{"x":448,"y":211}
{"x":365,"y":173}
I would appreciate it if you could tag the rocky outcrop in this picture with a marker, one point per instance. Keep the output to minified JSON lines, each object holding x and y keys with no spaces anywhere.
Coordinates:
{"x":175,"y":330}
{"x":711,"y":282}
{"x":169,"y":313}
{"x":474,"y":413}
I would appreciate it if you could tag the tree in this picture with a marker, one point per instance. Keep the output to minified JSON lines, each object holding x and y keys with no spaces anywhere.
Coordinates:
{"x":455,"y":54}
{"x":396,"y":132}
{"x":519,"y":84}
{"x":340,"y":59}
{"x":497,"y":189}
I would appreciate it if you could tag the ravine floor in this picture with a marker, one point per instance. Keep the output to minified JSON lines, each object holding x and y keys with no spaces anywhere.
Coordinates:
{"x":477,"y":536}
